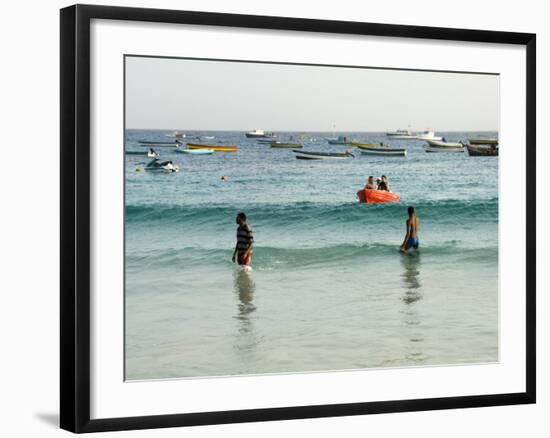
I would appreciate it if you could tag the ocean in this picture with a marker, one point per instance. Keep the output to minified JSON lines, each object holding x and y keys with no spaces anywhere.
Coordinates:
{"x":328,"y":289}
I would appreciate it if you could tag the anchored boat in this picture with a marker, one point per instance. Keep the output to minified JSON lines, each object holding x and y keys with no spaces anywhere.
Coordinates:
{"x":428,"y":135}
{"x":339,"y":140}
{"x":482,"y":151}
{"x":159,"y":144}
{"x":259,"y":133}
{"x":309,"y":155}
{"x":480,"y":141}
{"x":382,"y":150}
{"x":401,"y":134}
{"x":444,"y":143}
{"x":373,"y":196}
{"x":196,"y":151}
{"x":214,"y":147}
{"x":444,"y":149}
{"x":281,"y":145}
{"x":176,"y":134}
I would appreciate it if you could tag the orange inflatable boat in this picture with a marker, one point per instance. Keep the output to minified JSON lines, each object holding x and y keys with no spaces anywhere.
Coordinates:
{"x":370,"y":196}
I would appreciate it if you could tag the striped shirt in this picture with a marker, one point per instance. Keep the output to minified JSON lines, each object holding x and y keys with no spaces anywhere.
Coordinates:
{"x":244,"y":237}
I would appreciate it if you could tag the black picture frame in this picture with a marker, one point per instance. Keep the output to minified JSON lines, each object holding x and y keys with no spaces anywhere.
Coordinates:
{"x":75,"y":217}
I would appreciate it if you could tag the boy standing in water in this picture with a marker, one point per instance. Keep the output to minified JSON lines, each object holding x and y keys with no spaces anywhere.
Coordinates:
{"x":411,"y":237}
{"x":245,"y":239}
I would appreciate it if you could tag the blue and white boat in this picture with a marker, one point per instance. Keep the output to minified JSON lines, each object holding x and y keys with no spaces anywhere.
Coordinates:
{"x":196,"y":151}
{"x":339,"y":140}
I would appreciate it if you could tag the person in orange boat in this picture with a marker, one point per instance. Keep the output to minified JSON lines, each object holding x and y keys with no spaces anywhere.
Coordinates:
{"x":245,"y":240}
{"x":370,"y":183}
{"x":384,"y":184}
{"x":411,"y":236}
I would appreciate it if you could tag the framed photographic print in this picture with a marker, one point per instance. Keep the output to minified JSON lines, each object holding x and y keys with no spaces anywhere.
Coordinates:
{"x":271,"y":218}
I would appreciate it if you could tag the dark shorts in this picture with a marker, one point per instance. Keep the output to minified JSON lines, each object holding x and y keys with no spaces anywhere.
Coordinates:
{"x":413,"y":242}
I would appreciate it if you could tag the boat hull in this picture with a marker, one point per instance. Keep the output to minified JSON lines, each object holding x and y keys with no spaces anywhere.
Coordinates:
{"x":482,"y":151}
{"x":481,"y":141}
{"x":158,"y":144}
{"x":374,"y":196}
{"x":383,"y":151}
{"x":444,"y":144}
{"x":444,"y":149}
{"x":196,"y":151}
{"x":401,"y":137}
{"x":302,"y":155}
{"x":287,"y":145}
{"x":218,"y":148}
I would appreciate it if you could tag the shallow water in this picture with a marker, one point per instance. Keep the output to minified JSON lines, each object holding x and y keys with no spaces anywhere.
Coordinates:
{"x":329,"y":288}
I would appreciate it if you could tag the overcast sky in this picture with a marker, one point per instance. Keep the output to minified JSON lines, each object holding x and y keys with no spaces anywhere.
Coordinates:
{"x":213,"y":95}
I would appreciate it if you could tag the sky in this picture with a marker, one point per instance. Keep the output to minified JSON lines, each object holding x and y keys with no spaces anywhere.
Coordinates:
{"x":165,"y":93}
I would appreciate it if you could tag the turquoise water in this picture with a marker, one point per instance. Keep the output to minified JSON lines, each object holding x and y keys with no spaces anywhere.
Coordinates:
{"x":328,"y":289}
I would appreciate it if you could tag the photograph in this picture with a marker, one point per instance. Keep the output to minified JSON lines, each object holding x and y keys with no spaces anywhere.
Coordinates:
{"x":298,"y":218}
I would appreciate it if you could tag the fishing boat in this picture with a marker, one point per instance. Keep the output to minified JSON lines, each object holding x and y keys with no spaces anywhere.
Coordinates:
{"x":383,"y":150}
{"x":281,"y":145}
{"x":259,"y":133}
{"x":175,"y":134}
{"x":444,"y":143}
{"x":356,"y":144}
{"x":444,"y":149}
{"x":480,"y":141}
{"x":372,"y":196}
{"x":339,"y":140}
{"x":214,"y":147}
{"x":310,"y":155}
{"x":401,"y":134}
{"x":428,"y":135}
{"x":159,"y":144}
{"x":196,"y":151}
{"x":482,"y":150}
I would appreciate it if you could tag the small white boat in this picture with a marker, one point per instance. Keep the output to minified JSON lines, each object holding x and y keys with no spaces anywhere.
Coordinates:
{"x":428,"y":135}
{"x":176,"y":134}
{"x":444,"y":143}
{"x":259,"y":133}
{"x":196,"y":151}
{"x":444,"y":149}
{"x":310,"y":155}
{"x":401,"y":134}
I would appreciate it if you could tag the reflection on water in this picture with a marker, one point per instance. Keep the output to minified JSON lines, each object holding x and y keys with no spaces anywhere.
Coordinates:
{"x":246,"y":339}
{"x":245,"y":288}
{"x":411,"y":277}
{"x":412,"y":287}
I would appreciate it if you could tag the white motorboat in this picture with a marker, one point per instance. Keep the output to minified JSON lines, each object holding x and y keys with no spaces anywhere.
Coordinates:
{"x":176,"y":134}
{"x":444,"y":143}
{"x":259,"y":133}
{"x":428,"y":135}
{"x":401,"y":134}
